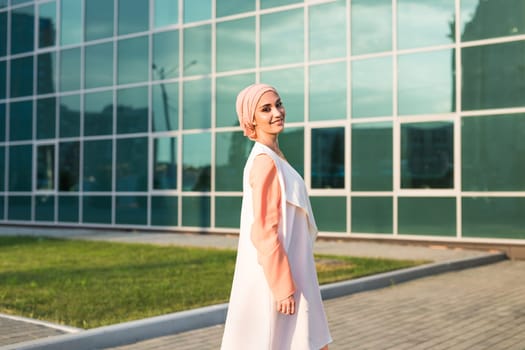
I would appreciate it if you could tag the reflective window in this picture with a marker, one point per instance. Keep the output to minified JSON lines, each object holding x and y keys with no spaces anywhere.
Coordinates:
{"x":197,"y":104}
{"x":2,"y":130}
{"x":197,"y":50}
{"x":45,"y":170}
{"x":132,"y":110}
{"x":21,"y":121}
{"x":425,"y":23}
{"x":3,"y":3}
{"x":3,"y":33}
{"x":98,"y":65}
{"x":231,"y":151}
{"x":166,"y":55}
{"x":46,"y":78}
{"x":45,"y":208}
{"x":98,"y":155}
{"x":197,"y":10}
{"x":96,"y":209}
{"x":132,"y":19}
{"x":22,"y":77}
{"x":3,"y":79}
{"x":164,"y":210}
{"x":70,"y":69}
{"x":46,"y":118}
{"x":196,"y":162}
{"x":196,"y":211}
{"x":494,"y":217}
{"x":20,"y":168}
{"x":98,"y":113}
{"x":19,"y":208}
{"x":165,"y":163}
{"x":71,"y":22}
{"x":69,"y":116}
{"x":289,"y":82}
{"x":493,"y":76}
{"x":2,"y":207}
{"x":68,"y":208}
{"x":372,"y":215}
{"x":166,"y":12}
{"x":371,"y":26}
{"x":227,"y":211}
{"x":328,"y":158}
{"x":236,"y":44}
{"x":427,"y":155}
{"x":282,"y":33}
{"x":132,"y":164}
{"x":327,"y":26}
{"x":69,"y":166}
{"x":232,"y":7}
{"x":291,"y":142}
{"x":18,"y":2}
{"x":426,"y":82}
{"x":490,"y":148}
{"x":372,"y":87}
{"x":372,"y":156}
{"x":427,"y":216}
{"x":490,"y":19}
{"x":131,"y":210}
{"x":274,"y":3}
{"x":329,"y":213}
{"x":99,"y":19}
{"x":328,"y":91}
{"x":133,"y":63}
{"x":226,"y":92}
{"x":2,"y":170}
{"x":165,"y":106}
{"x":22,"y":29}
{"x":47,"y":24}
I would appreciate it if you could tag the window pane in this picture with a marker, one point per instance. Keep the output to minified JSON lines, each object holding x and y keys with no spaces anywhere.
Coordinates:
{"x":197,"y":10}
{"x":231,"y":151}
{"x":291,"y":143}
{"x":493,"y":76}
{"x":427,"y":216}
{"x":3,"y":33}
{"x":282,"y":33}
{"x":274,"y":3}
{"x":3,"y":79}
{"x":70,"y":69}
{"x":328,"y":158}
{"x":488,"y":19}
{"x":2,"y":208}
{"x":44,"y":208}
{"x":425,"y":23}
{"x":2,"y":170}
{"x":46,"y":80}
{"x":99,"y":19}
{"x":427,"y":155}
{"x":164,"y":210}
{"x":132,"y":164}
{"x":197,"y":50}
{"x":22,"y":77}
{"x":98,"y":165}
{"x":46,"y":118}
{"x":490,"y":149}
{"x":372,"y":214}
{"x":196,"y":160}
{"x":329,"y":213}
{"x":2,"y":123}
{"x":372,"y":157}
{"x":227,"y":211}
{"x":45,"y":173}
{"x":19,"y":208}
{"x":494,"y":217}
{"x":98,"y":113}
{"x":131,"y":210}
{"x":132,"y":110}
{"x":289,"y":83}
{"x":426,"y":82}
{"x":132,"y":19}
{"x":69,"y":116}
{"x":47,"y":24}
{"x":236,"y":44}
{"x":69,"y":166}
{"x":196,"y":211}
{"x":166,"y":12}
{"x":71,"y":22}
{"x":372,"y":87}
{"x":20,"y":168}
{"x":165,"y":106}
{"x":197,"y":104}
{"x":327,"y":37}
{"x":68,"y":208}
{"x":165,"y":163}
{"x":328,"y":91}
{"x":371,"y":26}
{"x":226,"y":92}
{"x":96,"y":209}
{"x":232,"y":7}
{"x":22,"y":29}
{"x":21,"y":121}
{"x":166,"y":55}
{"x":98,"y":65}
{"x":133,"y":63}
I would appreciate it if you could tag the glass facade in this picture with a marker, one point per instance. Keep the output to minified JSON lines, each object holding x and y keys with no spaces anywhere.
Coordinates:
{"x":406,"y":118}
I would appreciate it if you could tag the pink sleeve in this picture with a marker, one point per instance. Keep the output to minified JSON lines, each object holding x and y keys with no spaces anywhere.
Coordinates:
{"x":264,"y":235}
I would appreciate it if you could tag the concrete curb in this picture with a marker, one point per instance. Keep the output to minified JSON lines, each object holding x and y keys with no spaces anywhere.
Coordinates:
{"x":135,"y":331}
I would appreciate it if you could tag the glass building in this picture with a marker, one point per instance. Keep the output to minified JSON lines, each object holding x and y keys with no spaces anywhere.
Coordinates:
{"x":406,"y":118}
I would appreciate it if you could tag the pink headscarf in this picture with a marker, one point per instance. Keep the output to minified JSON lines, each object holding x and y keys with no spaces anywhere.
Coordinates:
{"x":247,"y":100}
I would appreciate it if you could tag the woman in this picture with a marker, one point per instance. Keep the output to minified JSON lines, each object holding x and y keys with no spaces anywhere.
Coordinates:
{"x":275,"y":301}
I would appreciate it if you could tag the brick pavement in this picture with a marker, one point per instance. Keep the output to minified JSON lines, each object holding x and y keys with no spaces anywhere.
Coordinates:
{"x":14,"y":331}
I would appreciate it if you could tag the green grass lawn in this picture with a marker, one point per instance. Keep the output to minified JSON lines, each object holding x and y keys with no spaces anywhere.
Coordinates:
{"x":90,"y":284}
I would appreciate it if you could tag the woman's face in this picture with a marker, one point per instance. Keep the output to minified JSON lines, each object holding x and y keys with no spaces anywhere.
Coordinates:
{"x":269,"y":115}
